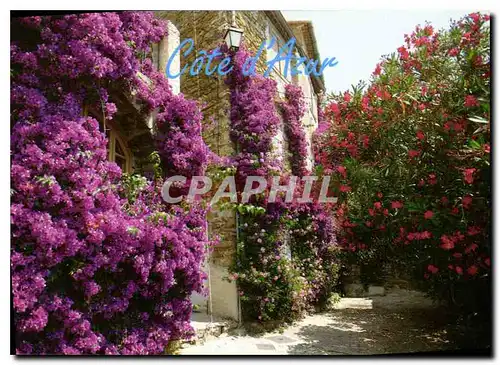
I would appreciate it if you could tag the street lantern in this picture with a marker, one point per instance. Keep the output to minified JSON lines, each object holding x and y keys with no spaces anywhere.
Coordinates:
{"x":233,"y":38}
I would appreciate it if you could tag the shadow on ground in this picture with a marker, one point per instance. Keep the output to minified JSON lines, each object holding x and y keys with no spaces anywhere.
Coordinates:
{"x":373,"y":331}
{"x":399,"y":323}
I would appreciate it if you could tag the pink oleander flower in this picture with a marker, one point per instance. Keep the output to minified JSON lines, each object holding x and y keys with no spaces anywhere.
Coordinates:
{"x":433,"y":269}
{"x":471,"y":101}
{"x":469,"y":175}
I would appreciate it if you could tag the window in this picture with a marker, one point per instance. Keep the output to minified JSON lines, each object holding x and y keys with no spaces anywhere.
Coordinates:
{"x":272,"y":52}
{"x":117,"y":148}
{"x":118,"y":151}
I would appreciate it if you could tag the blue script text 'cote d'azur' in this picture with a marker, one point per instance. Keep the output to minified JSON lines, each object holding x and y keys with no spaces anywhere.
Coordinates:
{"x":286,"y":54}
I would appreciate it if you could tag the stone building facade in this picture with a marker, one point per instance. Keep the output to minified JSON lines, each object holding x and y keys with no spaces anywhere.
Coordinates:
{"x":207,"y":29}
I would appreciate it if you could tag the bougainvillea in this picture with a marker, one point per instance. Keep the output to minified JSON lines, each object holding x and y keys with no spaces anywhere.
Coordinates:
{"x":276,"y":282}
{"x":100,"y":264}
{"x":293,"y":110}
{"x":261,"y":268}
{"x":93,"y":270}
{"x":411,"y":159}
{"x":312,"y":239}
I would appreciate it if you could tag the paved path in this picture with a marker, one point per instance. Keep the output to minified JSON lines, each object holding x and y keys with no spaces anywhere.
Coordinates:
{"x":400,"y":322}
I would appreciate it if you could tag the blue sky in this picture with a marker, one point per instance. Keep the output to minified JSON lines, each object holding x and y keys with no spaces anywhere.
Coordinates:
{"x":358,"y":38}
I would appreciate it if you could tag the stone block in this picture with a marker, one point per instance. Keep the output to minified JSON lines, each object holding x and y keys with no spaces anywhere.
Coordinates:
{"x":376,"y":291}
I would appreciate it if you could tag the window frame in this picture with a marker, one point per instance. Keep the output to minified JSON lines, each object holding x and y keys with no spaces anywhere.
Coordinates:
{"x":113,"y":137}
{"x":279,"y":67}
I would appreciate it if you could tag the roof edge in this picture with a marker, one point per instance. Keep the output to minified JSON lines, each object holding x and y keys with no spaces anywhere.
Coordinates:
{"x":283,"y":26}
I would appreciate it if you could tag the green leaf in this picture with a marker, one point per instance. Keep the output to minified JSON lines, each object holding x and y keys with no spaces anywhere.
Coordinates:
{"x":474,"y":144}
{"x":412,"y":207}
{"x":241,"y":209}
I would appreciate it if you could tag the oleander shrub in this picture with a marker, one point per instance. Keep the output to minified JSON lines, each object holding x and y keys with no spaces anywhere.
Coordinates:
{"x":410,"y":156}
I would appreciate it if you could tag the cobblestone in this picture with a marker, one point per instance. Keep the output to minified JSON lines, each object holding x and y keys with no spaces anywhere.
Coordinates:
{"x":400,"y":322}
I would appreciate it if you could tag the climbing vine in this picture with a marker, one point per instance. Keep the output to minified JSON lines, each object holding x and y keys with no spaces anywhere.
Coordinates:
{"x":293,"y":110}
{"x":279,"y":268}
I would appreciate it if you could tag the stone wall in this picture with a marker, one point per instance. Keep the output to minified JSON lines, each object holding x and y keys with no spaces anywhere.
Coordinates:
{"x":207,"y":29}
